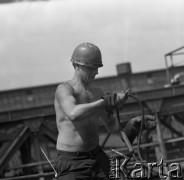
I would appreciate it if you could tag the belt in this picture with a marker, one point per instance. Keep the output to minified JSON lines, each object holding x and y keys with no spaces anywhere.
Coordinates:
{"x":80,"y":153}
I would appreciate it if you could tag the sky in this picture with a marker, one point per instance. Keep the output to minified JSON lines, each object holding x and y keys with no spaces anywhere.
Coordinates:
{"x":37,"y":39}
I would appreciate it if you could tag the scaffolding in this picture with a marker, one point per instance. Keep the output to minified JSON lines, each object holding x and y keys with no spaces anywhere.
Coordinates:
{"x":24,"y":131}
{"x":169,"y":60}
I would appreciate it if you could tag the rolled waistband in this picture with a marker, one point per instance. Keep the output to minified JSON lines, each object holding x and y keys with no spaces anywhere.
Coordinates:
{"x":79,"y":153}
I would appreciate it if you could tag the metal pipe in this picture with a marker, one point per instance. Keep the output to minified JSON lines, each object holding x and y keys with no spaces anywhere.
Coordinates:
{"x":107,"y":151}
{"x":37,"y":152}
{"x":152,"y":144}
{"x":106,"y":139}
{"x":30,"y":165}
{"x":168,"y":54}
{"x":29,"y":176}
{"x":14,"y":146}
{"x":167,"y":70}
{"x":51,"y":173}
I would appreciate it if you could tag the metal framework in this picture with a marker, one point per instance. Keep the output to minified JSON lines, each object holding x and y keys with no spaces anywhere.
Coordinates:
{"x":23,"y":130}
{"x":169,"y":56}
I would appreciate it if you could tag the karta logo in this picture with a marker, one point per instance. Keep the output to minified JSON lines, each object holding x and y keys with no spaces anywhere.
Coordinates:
{"x":119,"y":168}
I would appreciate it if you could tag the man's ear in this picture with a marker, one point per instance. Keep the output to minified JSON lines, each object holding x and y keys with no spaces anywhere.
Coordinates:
{"x":77,"y":68}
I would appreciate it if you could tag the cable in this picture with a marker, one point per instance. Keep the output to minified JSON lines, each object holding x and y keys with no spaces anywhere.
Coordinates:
{"x":141,"y":127}
{"x":124,"y":136}
{"x":126,"y":140}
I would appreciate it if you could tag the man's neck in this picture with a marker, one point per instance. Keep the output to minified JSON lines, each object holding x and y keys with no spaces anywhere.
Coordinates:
{"x":76,"y":80}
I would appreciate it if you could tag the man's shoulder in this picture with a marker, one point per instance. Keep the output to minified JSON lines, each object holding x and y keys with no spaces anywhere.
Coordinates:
{"x":64,"y":86}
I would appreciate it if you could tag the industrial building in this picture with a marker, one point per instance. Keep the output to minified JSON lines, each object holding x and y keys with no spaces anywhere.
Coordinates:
{"x":28,"y":131}
{"x":27,"y":119}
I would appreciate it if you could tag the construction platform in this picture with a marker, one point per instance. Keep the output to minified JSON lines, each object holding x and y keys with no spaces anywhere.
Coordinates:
{"x":27,"y":122}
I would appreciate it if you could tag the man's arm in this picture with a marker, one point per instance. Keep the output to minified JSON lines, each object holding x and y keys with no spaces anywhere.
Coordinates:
{"x":74,"y":111}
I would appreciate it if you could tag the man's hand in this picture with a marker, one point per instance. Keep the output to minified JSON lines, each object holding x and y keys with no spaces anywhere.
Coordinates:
{"x":132,"y":127}
{"x":113,"y":100}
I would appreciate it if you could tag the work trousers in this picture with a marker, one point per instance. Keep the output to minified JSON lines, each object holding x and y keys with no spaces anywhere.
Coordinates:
{"x":92,"y":165}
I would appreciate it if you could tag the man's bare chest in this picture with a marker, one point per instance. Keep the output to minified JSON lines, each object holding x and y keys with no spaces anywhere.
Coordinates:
{"x":86,"y":96}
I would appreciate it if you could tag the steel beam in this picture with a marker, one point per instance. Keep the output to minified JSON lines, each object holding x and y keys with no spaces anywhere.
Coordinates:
{"x":33,"y":176}
{"x":106,"y":139}
{"x":176,"y":50}
{"x":37,"y":152}
{"x":49,"y":133}
{"x":13,"y":147}
{"x":171,"y":128}
{"x":160,"y":139}
{"x":172,"y":102}
{"x":151,"y":144}
{"x":179,"y":117}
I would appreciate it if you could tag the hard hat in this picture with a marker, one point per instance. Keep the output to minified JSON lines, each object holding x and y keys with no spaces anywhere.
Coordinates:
{"x":87,"y":54}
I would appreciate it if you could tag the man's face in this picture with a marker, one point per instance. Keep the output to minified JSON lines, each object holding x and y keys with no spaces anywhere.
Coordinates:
{"x":89,"y":73}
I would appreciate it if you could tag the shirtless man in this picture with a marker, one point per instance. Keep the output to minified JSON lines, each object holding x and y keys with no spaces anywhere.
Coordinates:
{"x":79,"y":107}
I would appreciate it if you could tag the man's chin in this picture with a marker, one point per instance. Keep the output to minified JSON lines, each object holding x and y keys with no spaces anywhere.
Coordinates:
{"x":90,"y":79}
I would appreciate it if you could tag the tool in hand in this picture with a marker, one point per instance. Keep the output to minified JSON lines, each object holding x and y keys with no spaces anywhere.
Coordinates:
{"x":127,"y":90}
{"x":56,"y":174}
